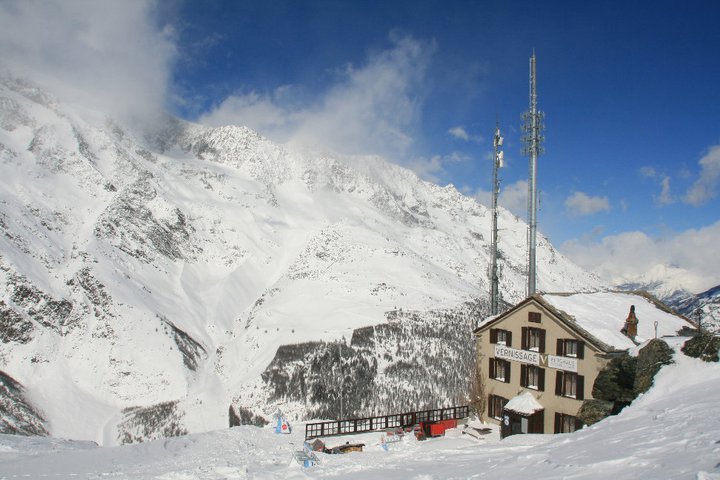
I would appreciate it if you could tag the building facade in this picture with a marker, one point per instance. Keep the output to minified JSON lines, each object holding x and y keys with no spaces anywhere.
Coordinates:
{"x":555,"y":356}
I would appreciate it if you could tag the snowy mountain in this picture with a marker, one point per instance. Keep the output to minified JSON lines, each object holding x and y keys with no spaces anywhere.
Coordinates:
{"x":668,"y":284}
{"x":154,"y":276}
{"x":703,"y":308}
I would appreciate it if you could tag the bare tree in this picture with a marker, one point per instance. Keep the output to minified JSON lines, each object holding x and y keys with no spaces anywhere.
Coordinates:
{"x":478,"y":399}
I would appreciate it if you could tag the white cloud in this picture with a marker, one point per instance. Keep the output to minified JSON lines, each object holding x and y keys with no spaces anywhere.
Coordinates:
{"x":648,"y":172}
{"x":460,"y":133}
{"x":630,"y":256}
{"x":665,"y":198}
{"x":431,"y":169}
{"x":105,"y":55}
{"x":580,"y":203}
{"x":705,"y":187}
{"x":513,"y":197}
{"x":371,"y":109}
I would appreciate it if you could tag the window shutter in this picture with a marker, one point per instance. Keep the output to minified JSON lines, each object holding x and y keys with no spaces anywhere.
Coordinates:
{"x":492,"y":368}
{"x":580,"y":395}
{"x":493,"y":335}
{"x":523,"y":375}
{"x":559,"y":383}
{"x":580,"y":350}
{"x":560,"y":350}
{"x":508,"y":369}
{"x":509,"y":339}
{"x":541,"y":380}
{"x":542,"y":341}
{"x":524,"y":338}
{"x":491,"y":406}
{"x":558,"y":423}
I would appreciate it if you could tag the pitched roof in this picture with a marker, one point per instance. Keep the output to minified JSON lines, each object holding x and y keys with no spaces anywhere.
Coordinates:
{"x":524,"y":404}
{"x":599,"y":316}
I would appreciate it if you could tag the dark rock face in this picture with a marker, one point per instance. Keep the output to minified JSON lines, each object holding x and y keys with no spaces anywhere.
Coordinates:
{"x":615,"y":383}
{"x":623,"y":379}
{"x":17,"y":415}
{"x":13,"y":327}
{"x":135,"y":229}
{"x":704,"y":346}
{"x":193,"y":353}
{"x":242,"y":416}
{"x":592,"y":411}
{"x":141,"y":424}
{"x":650,"y":360}
{"x":30,"y":303}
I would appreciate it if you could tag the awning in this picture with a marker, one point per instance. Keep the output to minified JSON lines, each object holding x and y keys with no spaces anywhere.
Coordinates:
{"x":524,"y":404}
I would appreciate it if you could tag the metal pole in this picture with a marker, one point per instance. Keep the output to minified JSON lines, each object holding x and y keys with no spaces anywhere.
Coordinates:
{"x":494,"y":280}
{"x":533,"y":140}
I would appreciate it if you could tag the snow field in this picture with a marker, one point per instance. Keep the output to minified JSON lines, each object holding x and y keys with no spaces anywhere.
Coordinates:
{"x":670,"y":432}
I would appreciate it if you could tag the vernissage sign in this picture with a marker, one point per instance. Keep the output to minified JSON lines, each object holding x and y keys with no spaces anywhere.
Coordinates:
{"x":534,"y":358}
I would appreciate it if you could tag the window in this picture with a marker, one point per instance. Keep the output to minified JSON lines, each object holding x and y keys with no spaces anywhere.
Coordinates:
{"x":501,"y":337}
{"x":532,"y":376}
{"x":495,"y":406}
{"x":533,"y":339}
{"x":566,"y":423}
{"x":570,"y":384}
{"x":534,"y":317}
{"x":500,"y":370}
{"x":567,"y":347}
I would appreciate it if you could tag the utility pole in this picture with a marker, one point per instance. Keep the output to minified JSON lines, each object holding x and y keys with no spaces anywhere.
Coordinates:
{"x":497,"y":164}
{"x":533,"y":140}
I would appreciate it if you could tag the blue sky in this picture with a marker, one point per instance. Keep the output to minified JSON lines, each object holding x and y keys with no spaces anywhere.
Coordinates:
{"x":631,"y":172}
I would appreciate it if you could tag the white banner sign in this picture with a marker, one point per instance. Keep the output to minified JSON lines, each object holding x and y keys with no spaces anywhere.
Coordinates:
{"x":522,"y":356}
{"x":562,"y":363}
{"x":534,"y":358}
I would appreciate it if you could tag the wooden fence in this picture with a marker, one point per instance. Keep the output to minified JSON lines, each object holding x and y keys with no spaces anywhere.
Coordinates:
{"x":399,"y":420}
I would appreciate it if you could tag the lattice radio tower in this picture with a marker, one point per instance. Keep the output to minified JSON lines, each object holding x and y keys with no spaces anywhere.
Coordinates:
{"x":494,"y":279}
{"x":532,"y":139}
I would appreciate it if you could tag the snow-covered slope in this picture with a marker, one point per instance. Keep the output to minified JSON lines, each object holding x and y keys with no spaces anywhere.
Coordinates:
{"x":150,"y":275}
{"x":669,"y":432}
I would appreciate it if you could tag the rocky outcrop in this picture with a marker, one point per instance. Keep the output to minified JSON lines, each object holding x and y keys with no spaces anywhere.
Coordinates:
{"x":650,"y":360}
{"x":239,"y":415}
{"x":623,"y":379}
{"x":592,"y":411}
{"x":704,"y":346}
{"x":17,"y":414}
{"x":615,"y":383}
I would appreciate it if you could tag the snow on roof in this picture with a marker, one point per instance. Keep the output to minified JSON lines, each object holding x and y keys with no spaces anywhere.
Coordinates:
{"x":603,"y":315}
{"x":524,"y":404}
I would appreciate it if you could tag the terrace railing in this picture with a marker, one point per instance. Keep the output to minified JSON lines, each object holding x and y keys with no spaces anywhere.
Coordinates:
{"x":385,"y":422}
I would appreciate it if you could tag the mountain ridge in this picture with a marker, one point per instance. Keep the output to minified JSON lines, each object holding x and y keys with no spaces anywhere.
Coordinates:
{"x":151,"y":275}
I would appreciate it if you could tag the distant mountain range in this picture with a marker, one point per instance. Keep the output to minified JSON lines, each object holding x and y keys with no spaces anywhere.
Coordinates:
{"x":156,"y":279}
{"x":666,"y":284}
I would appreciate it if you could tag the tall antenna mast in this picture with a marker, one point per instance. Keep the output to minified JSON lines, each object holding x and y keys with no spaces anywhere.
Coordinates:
{"x":497,"y":164}
{"x":533,"y":148}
